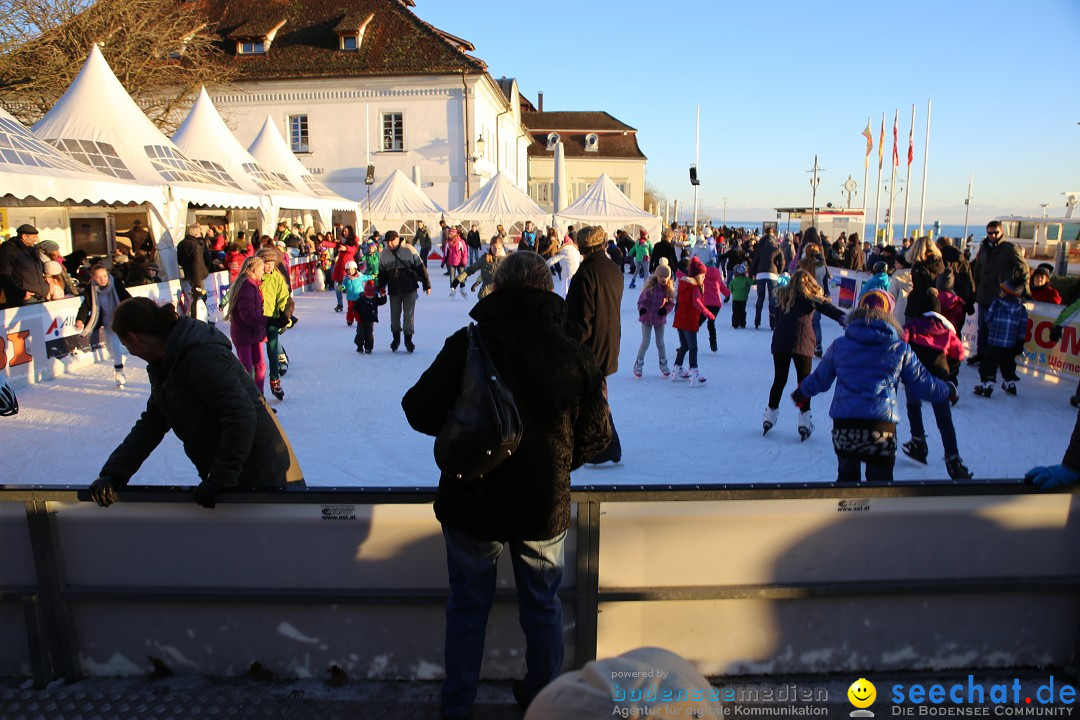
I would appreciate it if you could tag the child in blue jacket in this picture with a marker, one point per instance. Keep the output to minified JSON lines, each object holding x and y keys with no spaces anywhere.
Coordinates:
{"x":1006,"y":323}
{"x":868,"y":362}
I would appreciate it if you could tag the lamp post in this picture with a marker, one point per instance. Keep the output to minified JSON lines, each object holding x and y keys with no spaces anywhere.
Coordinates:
{"x":477,"y":153}
{"x":725,"y":212}
{"x":814,"y":182}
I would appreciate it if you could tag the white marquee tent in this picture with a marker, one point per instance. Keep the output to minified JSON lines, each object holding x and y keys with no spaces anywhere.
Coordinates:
{"x":34,"y":173}
{"x":605,"y":205}
{"x":397,"y":201}
{"x":497,"y":202}
{"x":97,"y":123}
{"x":273,"y":153}
{"x":204,"y":137}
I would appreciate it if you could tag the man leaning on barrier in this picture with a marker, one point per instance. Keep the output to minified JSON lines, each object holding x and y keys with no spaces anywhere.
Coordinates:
{"x":199,"y":390}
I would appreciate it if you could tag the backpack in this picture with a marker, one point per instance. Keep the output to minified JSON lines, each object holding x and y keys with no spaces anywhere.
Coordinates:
{"x":484,"y":427}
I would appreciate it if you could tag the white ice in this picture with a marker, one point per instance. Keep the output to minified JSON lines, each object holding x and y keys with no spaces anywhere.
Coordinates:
{"x":343,"y":414}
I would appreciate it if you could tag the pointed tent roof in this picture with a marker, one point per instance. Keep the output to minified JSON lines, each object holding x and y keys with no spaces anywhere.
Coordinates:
{"x":605,"y":204}
{"x":33,"y":170}
{"x":273,"y":153}
{"x":204,"y":137}
{"x":398,"y":198}
{"x":98,"y":123}
{"x":499,"y":201}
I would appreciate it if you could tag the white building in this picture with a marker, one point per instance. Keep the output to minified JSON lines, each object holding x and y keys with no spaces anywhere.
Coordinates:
{"x":353,"y":83}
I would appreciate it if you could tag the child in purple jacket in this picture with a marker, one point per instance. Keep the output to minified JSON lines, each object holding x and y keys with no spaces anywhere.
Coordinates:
{"x":656,"y":299}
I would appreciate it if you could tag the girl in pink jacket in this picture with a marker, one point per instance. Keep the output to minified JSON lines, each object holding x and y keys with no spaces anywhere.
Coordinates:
{"x":714,"y":288}
{"x":457,"y":257}
{"x":655,"y":302}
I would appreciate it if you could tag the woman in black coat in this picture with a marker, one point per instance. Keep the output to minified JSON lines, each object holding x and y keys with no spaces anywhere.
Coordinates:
{"x":525,"y":501}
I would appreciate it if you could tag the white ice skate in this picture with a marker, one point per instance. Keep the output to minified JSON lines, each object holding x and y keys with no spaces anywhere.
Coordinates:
{"x":639,"y":365}
{"x":806,"y":425}
{"x":118,"y":376}
{"x":453,"y":292}
{"x":680,"y":375}
{"x":696,"y":379}
{"x":771,"y":415}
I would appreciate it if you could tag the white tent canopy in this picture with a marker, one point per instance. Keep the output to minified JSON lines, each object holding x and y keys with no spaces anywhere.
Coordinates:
{"x":33,"y":172}
{"x":397,"y":199}
{"x":204,"y":137}
{"x":605,"y":205}
{"x":497,"y":202}
{"x":273,"y":153}
{"x":98,"y":123}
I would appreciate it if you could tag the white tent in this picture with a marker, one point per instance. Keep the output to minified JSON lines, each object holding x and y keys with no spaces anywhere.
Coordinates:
{"x":204,"y":137}
{"x":34,"y":173}
{"x":605,"y":205}
{"x":97,"y":123}
{"x":273,"y":153}
{"x":497,"y":202}
{"x":397,"y":200}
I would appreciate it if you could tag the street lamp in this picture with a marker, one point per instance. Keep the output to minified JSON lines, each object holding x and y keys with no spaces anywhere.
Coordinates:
{"x":814,"y":182}
{"x":481,"y":145}
{"x":725,"y":212}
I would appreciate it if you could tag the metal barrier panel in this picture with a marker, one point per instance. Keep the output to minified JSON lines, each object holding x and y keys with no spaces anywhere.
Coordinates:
{"x":837,"y":584}
{"x":18,"y":588}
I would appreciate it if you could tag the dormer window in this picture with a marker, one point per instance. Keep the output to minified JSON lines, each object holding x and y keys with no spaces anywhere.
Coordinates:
{"x":251,"y":47}
{"x":255,"y":36}
{"x":350,"y":31}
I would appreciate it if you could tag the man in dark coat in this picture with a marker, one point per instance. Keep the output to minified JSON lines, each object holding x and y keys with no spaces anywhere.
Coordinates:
{"x":765,"y":268}
{"x":199,"y":390}
{"x":193,"y":256}
{"x":525,"y":501}
{"x":664,"y":248}
{"x":996,"y":262}
{"x":593,"y":316}
{"x":22,"y":272}
{"x":400,"y":273}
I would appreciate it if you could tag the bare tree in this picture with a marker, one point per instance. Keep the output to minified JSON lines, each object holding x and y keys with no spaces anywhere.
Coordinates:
{"x":653,"y":198}
{"x":162,"y":51}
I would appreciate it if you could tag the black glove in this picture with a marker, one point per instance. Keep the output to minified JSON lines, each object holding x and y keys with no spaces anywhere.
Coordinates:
{"x":661,"y":312}
{"x":103,"y":491}
{"x":641,"y":311}
{"x":1018,"y":349}
{"x":206,"y":494}
{"x":1056,"y":332}
{"x":800,"y":399}
{"x":279,"y":321}
{"x":970,"y":309}
{"x":954,"y":397}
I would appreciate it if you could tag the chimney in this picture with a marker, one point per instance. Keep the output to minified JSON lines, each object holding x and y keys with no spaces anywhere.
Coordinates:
{"x":540,"y":101}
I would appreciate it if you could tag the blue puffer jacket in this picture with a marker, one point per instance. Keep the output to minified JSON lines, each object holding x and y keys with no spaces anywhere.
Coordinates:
{"x":868,"y":363}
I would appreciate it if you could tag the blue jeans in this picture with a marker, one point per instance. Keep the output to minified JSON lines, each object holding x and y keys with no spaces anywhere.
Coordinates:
{"x":943,"y":416}
{"x":816,"y":323}
{"x":538,"y":571}
{"x":764,"y":286}
{"x":687,"y":342}
{"x":474,"y":254}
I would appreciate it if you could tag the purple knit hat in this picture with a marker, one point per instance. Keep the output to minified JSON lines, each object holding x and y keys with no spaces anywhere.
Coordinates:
{"x":879,"y":299}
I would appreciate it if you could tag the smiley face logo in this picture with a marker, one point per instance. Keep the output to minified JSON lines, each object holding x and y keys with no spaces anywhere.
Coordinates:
{"x":862,"y":693}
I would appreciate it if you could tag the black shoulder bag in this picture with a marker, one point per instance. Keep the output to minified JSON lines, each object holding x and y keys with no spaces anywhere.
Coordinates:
{"x":483,"y":428}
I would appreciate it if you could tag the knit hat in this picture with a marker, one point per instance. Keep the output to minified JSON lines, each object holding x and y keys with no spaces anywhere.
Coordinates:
{"x":1012,"y":288}
{"x":696,"y":266}
{"x":1044,"y":269}
{"x":663,"y":270}
{"x":879,"y":299}
{"x":740,"y":269}
{"x":351,"y":265}
{"x":369,"y":289}
{"x":53,"y":268}
{"x":880,"y":267}
{"x":48,"y":246}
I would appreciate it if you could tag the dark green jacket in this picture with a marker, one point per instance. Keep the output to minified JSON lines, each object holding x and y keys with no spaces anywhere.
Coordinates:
{"x":201,"y":392}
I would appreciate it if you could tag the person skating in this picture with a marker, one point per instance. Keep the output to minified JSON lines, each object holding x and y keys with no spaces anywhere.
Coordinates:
{"x":401,"y":273}
{"x":1006,"y":325}
{"x":100,"y":300}
{"x":689,"y":310}
{"x":715,"y":293}
{"x":366,"y":309}
{"x":654,"y":305}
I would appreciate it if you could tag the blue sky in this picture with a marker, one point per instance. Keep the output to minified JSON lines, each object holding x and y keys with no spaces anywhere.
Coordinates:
{"x":779,"y":82}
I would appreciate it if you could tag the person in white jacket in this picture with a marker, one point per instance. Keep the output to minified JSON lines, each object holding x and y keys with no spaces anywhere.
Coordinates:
{"x":570,"y":258}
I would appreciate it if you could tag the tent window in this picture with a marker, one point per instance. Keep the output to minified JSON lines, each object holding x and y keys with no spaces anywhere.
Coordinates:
{"x":19,"y":146}
{"x":393,"y":132}
{"x":265,"y":180}
{"x":316,"y":187}
{"x":254,"y":47}
{"x":173,"y":166}
{"x":298,"y":133}
{"x":98,"y":155}
{"x":220,"y":174}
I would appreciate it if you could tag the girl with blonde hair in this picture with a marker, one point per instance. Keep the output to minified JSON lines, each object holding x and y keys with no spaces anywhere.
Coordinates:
{"x":794,"y":340}
{"x":247,"y":323}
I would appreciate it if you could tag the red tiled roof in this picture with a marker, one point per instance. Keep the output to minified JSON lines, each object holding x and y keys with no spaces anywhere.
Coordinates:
{"x":609,"y":145}
{"x":396,"y":42}
{"x":586,"y":121}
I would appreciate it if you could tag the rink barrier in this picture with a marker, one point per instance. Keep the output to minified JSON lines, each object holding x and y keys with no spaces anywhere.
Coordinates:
{"x":745,"y":580}
{"x":37,"y":341}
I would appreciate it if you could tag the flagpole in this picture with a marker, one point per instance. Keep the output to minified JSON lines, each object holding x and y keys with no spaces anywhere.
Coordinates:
{"x":877,"y":200}
{"x":967,"y":208}
{"x":865,"y":177}
{"x":697,"y":163}
{"x":892,"y":185}
{"x":907,"y":180}
{"x":926,"y":159}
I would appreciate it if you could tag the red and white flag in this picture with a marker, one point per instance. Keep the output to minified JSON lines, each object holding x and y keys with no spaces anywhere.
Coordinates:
{"x":869,"y":135}
{"x":911,"y":145}
{"x":895,"y":155}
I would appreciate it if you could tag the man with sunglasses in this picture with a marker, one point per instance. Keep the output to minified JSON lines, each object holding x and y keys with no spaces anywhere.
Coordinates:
{"x":996,"y":262}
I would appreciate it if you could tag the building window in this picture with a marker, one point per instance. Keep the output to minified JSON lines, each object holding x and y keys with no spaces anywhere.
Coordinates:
{"x":350,"y":42}
{"x":252,"y":47}
{"x":624,"y":188}
{"x":393,"y":132}
{"x":540,"y":192}
{"x":298,"y":133}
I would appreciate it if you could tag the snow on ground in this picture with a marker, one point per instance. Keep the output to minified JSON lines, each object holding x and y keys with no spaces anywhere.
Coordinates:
{"x":342,"y":412}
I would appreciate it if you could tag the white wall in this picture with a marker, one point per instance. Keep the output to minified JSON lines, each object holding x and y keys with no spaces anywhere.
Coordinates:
{"x":345,"y":122}
{"x":584,"y":171}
